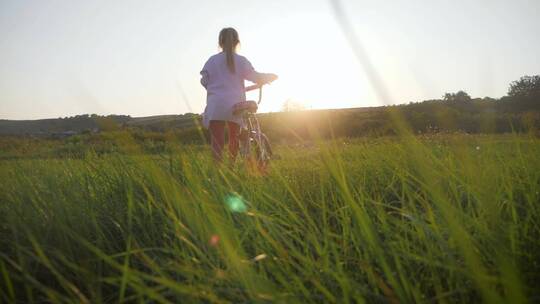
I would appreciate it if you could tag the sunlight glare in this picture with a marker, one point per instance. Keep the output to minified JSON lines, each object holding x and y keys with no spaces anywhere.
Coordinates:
{"x":319,"y":72}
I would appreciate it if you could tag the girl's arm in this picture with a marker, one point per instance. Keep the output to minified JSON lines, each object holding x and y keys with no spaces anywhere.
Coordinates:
{"x":249,"y":73}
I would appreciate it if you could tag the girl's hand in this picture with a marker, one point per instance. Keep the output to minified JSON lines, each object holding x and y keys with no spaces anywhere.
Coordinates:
{"x":264,"y":79}
{"x":272,"y":77}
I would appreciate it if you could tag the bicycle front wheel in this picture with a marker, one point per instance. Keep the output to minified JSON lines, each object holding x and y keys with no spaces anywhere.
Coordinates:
{"x":263,"y":151}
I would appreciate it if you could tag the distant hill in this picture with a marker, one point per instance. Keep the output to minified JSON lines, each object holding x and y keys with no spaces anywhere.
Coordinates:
{"x":516,"y":112}
{"x":93,"y":123}
{"x":519,"y":111}
{"x":161,"y":123}
{"x":47,"y":126}
{"x":164,"y":122}
{"x":456,"y":112}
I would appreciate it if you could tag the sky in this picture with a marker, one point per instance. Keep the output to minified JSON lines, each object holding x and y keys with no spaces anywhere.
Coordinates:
{"x":140,"y":58}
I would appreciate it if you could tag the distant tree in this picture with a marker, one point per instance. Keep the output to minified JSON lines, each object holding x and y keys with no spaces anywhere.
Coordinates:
{"x":489,"y":99}
{"x":526,"y":86}
{"x":292,"y":106}
{"x":459,"y":97}
{"x":106,"y":124}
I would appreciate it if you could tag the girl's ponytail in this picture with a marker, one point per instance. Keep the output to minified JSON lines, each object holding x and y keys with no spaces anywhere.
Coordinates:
{"x":228,"y":40}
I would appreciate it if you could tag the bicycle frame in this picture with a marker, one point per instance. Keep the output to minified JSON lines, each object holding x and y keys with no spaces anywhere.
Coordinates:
{"x":253,"y":137}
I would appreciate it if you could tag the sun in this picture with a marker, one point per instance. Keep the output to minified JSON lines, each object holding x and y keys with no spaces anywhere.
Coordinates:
{"x":324,"y":87}
{"x":316,"y":68}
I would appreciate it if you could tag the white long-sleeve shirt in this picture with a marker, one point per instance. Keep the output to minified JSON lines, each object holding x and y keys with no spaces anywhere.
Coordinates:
{"x":223,"y":88}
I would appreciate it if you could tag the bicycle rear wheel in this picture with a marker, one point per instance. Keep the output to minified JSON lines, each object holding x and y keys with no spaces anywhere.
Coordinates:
{"x":245,"y":144}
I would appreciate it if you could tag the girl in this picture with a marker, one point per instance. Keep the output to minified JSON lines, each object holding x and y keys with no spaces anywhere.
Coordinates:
{"x":223,"y":78}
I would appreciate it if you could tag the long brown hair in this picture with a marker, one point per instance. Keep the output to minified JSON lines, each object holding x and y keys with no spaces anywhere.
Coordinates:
{"x":228,"y":40}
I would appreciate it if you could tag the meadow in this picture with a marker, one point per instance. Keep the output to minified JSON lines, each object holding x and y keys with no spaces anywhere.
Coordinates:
{"x":428,"y":219}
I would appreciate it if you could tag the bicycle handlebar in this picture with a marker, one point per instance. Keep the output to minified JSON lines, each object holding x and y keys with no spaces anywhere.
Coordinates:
{"x":253,"y":87}
{"x":271,"y":78}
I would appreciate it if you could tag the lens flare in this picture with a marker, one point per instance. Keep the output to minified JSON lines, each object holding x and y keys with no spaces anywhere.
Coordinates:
{"x":235,"y":203}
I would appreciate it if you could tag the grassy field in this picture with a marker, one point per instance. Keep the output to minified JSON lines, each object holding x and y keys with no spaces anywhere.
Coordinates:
{"x":446,"y":219}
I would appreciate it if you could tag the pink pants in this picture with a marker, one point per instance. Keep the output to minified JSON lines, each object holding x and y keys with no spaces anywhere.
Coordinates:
{"x":217,"y":138}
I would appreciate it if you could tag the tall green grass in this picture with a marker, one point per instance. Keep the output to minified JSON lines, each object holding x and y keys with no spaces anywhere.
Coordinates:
{"x":446,"y":219}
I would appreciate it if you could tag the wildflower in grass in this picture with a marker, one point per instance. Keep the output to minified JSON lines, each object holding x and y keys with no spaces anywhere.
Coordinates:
{"x":265,"y":296}
{"x":256,"y":259}
{"x":220,"y":274}
{"x":235,"y":203}
{"x":477,"y":148}
{"x":214,"y":240}
{"x":260,"y":257}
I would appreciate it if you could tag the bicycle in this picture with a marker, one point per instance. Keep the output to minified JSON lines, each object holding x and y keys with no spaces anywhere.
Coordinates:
{"x":254,"y":145}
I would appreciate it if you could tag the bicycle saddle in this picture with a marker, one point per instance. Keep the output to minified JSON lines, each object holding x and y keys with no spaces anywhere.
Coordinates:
{"x":248,"y":106}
